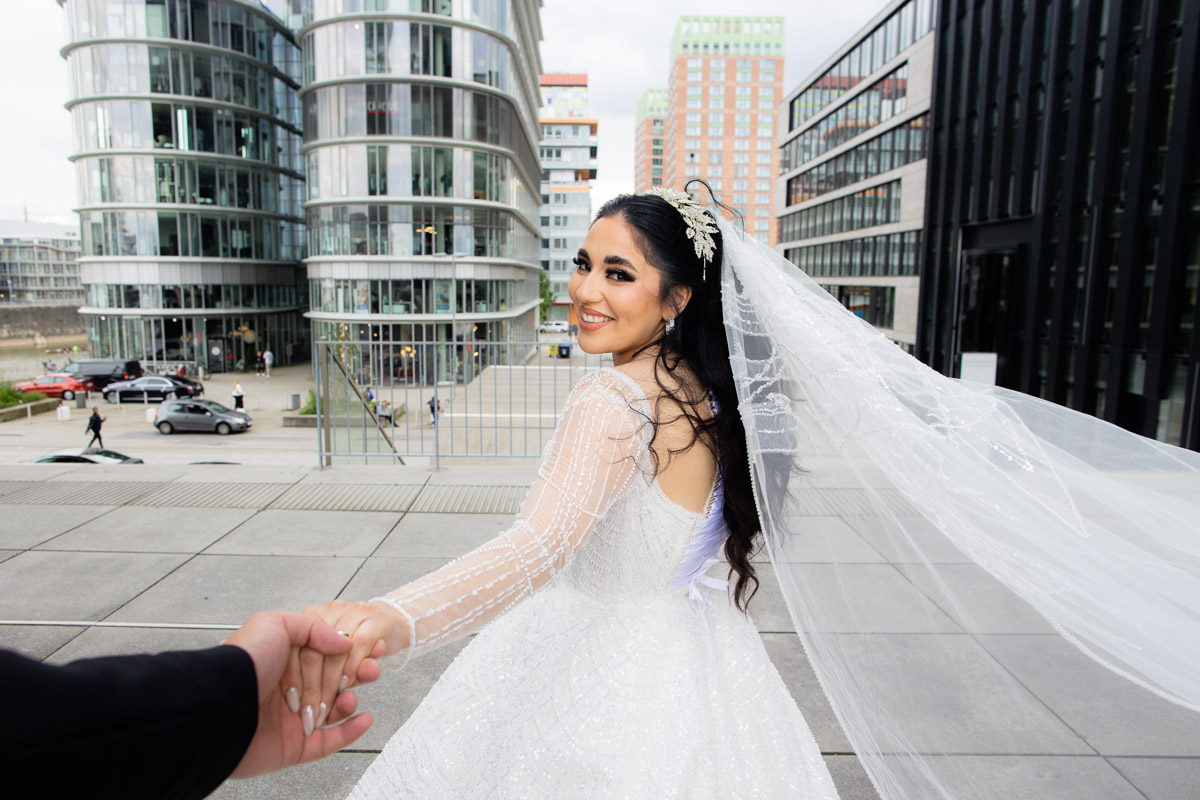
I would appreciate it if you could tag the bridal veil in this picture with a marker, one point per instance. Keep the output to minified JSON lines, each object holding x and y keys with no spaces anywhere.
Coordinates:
{"x":948,"y":550}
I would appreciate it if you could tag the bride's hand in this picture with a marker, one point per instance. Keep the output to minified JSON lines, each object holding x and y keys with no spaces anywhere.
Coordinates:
{"x":312,"y":681}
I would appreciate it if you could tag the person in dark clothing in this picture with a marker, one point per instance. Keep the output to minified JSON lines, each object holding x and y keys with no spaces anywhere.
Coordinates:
{"x":435,"y":408}
{"x":170,"y":726}
{"x":93,"y":427}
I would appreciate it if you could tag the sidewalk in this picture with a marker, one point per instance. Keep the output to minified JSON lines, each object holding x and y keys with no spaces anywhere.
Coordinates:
{"x":179,"y":548}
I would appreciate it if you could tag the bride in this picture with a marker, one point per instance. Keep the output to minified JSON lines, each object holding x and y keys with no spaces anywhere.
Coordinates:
{"x":620,"y":666}
{"x":747,"y":406}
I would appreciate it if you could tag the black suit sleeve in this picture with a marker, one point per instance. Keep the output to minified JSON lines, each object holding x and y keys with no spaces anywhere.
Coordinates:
{"x":172,"y":725}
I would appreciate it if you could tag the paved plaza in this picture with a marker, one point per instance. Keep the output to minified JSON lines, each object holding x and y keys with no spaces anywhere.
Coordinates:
{"x":100,"y":560}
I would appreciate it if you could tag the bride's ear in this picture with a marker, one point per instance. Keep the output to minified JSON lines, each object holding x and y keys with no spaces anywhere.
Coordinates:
{"x":678,"y":300}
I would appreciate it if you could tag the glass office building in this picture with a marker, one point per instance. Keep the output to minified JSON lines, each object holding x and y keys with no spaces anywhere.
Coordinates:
{"x":187,"y":150}
{"x":420,"y":124}
{"x":852,"y":168}
{"x":1063,"y":206}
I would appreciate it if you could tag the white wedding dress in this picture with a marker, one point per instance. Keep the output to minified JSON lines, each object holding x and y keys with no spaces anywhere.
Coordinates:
{"x":619,"y":668}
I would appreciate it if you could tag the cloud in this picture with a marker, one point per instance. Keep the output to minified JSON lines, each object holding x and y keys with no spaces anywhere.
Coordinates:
{"x":35,"y":139}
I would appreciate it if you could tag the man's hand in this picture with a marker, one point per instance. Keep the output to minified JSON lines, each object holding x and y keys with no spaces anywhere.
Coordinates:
{"x":270,"y":637}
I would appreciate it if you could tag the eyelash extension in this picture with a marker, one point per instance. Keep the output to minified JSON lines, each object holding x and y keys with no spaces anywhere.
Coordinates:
{"x":575,"y":260}
{"x":619,"y":273}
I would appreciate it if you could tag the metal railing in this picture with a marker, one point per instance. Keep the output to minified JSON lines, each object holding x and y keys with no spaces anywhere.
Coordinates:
{"x":378,"y":402}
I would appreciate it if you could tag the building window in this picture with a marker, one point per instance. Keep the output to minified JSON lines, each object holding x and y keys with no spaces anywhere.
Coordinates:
{"x":879,"y":205}
{"x":892,"y":149}
{"x":878,"y":103}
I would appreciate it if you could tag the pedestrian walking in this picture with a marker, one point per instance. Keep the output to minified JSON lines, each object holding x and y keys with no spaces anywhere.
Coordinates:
{"x":259,"y":364}
{"x":237,"y":393}
{"x":435,"y":408}
{"x":93,"y":427}
{"x":268,"y":360}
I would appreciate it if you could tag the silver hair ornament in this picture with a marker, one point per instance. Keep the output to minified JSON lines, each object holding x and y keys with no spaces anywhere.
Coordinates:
{"x":700,"y":226}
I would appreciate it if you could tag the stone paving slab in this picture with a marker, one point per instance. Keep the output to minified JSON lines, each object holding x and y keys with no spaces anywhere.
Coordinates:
{"x":1162,"y":778}
{"x":435,"y":535}
{"x":228,"y":589}
{"x":37,"y":641}
{"x":988,"y":715}
{"x":329,"y":779}
{"x":78,"y":586}
{"x":1129,"y":721}
{"x":308,"y":533}
{"x":151,"y":530}
{"x":1041,"y":777}
{"x":27,"y":526}
{"x":95,"y":642}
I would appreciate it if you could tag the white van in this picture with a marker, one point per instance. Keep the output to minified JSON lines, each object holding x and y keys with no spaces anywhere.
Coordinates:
{"x":553,"y":326}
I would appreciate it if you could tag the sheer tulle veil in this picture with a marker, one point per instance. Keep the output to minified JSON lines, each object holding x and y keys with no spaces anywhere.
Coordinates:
{"x":985,"y":583}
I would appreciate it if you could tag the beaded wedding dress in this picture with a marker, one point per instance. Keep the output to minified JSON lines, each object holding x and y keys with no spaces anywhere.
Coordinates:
{"x":619,"y":668}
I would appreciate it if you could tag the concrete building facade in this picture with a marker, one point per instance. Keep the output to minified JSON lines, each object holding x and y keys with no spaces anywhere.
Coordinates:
{"x":648,"y":147}
{"x":725,"y":81}
{"x":38,"y":264}
{"x":420,"y":129}
{"x":187,"y":145}
{"x":853,"y":147}
{"x":567,"y":152}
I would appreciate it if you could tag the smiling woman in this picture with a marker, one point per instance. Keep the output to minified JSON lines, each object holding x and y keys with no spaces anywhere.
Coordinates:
{"x":616,"y":292}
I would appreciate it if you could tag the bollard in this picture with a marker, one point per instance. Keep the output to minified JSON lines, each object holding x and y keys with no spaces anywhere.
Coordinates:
{"x":29,"y":412}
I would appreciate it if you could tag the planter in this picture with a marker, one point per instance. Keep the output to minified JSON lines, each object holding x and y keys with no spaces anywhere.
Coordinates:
{"x":25,"y":409}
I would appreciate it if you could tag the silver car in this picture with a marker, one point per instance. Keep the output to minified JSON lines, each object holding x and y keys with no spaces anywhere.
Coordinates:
{"x":203,"y":416}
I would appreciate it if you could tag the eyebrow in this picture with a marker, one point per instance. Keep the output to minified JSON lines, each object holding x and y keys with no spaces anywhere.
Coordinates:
{"x":619,"y":261}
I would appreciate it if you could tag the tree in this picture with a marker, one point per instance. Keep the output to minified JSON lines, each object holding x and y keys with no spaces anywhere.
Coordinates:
{"x":545,"y":293}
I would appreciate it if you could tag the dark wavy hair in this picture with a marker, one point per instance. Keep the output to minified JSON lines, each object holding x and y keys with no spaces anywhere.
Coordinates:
{"x":698,"y":340}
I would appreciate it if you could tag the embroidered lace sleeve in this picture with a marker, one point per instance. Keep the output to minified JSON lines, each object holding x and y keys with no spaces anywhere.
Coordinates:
{"x":598,"y":449}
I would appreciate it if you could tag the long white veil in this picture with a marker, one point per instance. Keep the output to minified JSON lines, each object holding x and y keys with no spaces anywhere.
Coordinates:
{"x":947,"y":551}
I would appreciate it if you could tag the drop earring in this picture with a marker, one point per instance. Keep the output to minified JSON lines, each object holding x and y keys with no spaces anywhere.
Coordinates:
{"x":670,"y":326}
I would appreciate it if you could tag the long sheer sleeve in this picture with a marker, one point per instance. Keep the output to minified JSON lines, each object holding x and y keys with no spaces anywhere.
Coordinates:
{"x":598,"y":449}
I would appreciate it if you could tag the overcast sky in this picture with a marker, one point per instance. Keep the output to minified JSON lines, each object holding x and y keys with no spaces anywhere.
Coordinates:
{"x":622,"y":45}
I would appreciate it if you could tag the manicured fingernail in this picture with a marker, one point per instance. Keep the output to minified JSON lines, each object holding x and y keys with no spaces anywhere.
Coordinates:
{"x":293,"y":699}
{"x":344,"y":685}
{"x":321,"y":716}
{"x":306,"y":719}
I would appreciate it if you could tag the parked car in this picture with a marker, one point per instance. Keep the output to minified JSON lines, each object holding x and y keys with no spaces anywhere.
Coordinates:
{"x":204,"y":416}
{"x":87,"y":455}
{"x":103,"y":371}
{"x":152,"y":387}
{"x":553,"y":326}
{"x":57,"y":385}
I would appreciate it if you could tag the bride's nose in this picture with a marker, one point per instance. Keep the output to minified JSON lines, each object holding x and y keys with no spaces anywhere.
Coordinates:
{"x":588,"y":289}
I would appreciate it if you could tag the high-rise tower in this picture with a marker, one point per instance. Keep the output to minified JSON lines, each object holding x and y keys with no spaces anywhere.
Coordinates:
{"x":187,"y":144}
{"x":420,"y":123}
{"x":648,"y":139}
{"x":726,"y":78}
{"x":568,"y":157}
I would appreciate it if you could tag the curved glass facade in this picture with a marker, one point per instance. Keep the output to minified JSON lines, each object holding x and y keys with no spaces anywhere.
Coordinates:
{"x":187,"y":129}
{"x":422,"y":195}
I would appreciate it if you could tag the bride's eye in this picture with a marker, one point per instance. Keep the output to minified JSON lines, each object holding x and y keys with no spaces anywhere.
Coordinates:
{"x":579,"y":264}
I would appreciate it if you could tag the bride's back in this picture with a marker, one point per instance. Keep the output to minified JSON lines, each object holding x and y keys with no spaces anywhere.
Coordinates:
{"x":686,"y":465}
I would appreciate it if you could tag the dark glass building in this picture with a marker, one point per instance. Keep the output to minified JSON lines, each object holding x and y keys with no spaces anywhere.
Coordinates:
{"x":187,"y":150}
{"x":1063,"y":204}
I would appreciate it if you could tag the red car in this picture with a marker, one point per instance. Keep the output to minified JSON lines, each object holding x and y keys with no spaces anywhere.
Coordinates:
{"x":57,"y":385}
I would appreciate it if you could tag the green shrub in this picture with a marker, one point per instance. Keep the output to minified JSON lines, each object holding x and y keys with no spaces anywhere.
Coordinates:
{"x":310,"y":403}
{"x":12,"y":396}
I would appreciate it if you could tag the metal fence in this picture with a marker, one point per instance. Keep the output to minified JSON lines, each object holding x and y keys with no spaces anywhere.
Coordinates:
{"x":383,"y":402}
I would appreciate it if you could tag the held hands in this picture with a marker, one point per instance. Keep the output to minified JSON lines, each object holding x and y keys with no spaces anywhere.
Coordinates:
{"x":315,"y":679}
{"x":279,"y":741}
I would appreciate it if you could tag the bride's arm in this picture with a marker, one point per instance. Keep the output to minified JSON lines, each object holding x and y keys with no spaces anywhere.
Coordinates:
{"x":598,"y":449}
